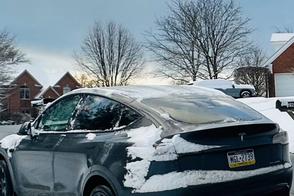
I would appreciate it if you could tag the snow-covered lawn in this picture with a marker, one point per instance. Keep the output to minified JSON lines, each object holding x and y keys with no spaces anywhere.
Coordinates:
{"x":267,"y":106}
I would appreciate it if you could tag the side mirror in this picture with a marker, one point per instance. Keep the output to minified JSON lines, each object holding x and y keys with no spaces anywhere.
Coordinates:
{"x":25,"y":129}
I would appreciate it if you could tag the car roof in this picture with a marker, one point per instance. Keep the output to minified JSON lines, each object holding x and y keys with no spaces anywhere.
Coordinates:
{"x":139,"y":92}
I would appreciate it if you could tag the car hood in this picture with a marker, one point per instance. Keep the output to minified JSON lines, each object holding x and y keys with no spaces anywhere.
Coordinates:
{"x":247,"y":86}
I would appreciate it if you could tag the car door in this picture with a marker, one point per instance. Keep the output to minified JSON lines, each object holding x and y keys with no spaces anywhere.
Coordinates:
{"x":79,"y":150}
{"x":33,"y":158}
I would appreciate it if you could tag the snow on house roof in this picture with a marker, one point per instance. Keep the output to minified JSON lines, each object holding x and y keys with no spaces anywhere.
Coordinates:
{"x":279,"y":52}
{"x":281,"y":37}
{"x":45,"y":78}
{"x":44,"y":90}
{"x":28,"y":73}
{"x":69,"y":75}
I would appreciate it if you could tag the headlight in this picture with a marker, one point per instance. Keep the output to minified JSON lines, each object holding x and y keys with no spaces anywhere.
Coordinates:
{"x":281,"y":138}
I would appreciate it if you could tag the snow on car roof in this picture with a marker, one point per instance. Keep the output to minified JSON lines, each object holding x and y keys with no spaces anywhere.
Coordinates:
{"x":139,"y":92}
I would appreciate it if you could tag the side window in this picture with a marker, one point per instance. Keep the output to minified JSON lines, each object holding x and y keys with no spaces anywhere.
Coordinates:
{"x":98,"y":113}
{"x":57,"y":116}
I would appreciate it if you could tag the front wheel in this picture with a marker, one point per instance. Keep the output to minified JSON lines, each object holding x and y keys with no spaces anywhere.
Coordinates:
{"x":5,"y":182}
{"x":245,"y":94}
{"x":101,"y":190}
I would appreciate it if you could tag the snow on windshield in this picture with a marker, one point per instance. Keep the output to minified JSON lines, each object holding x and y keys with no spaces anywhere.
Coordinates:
{"x":193,"y":110}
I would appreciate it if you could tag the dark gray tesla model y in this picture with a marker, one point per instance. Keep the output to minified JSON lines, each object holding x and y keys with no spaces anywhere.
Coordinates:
{"x":146,"y":140}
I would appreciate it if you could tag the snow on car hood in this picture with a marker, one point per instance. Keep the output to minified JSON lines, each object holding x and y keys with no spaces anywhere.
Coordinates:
{"x":10,"y":142}
{"x":247,"y":86}
{"x":143,"y":140}
{"x":221,"y":83}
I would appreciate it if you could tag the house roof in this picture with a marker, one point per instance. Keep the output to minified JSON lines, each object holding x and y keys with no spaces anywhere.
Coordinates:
{"x":45,"y":90}
{"x":26,"y":72}
{"x":67,"y":74}
{"x":279,"y":52}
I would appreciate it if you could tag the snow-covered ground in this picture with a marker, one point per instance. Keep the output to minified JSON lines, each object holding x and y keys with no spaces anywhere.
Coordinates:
{"x":267,"y":106}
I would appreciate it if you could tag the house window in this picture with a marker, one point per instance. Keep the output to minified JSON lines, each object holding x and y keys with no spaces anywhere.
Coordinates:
{"x":24,"y":92}
{"x":66,"y":89}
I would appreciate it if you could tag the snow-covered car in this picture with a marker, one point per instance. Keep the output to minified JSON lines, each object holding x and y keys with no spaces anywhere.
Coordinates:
{"x":228,"y":87}
{"x":146,"y":140}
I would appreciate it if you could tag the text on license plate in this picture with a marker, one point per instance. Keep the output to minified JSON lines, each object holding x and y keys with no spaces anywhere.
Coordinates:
{"x":241,"y":158}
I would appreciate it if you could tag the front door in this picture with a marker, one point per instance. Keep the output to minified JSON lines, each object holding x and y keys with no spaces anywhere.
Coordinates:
{"x":32,"y":162}
{"x":34,"y":157}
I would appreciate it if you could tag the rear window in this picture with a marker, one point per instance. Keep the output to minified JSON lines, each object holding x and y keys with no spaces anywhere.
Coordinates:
{"x":202,"y":110}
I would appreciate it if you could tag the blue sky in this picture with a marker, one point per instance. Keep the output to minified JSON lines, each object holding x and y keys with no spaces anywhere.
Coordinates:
{"x":50,"y":30}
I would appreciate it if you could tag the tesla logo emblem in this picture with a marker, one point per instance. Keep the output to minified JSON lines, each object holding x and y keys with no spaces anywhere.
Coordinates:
{"x":242,"y":136}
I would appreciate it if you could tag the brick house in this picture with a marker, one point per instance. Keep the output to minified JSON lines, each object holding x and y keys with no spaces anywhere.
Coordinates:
{"x":281,"y":64}
{"x":26,"y":88}
{"x":22,"y":90}
{"x":66,"y":83}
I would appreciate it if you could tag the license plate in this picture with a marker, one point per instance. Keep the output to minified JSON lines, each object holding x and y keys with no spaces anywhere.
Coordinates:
{"x":241,"y":158}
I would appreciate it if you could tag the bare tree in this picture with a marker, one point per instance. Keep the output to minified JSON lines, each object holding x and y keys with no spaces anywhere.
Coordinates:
{"x":250,"y":71}
{"x":9,"y":55}
{"x":111,"y":55}
{"x":86,"y":81}
{"x":199,"y":39}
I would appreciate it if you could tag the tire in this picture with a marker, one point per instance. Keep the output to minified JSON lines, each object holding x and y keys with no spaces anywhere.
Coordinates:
{"x":101,"y":190}
{"x":5,"y":181}
{"x":245,"y":94}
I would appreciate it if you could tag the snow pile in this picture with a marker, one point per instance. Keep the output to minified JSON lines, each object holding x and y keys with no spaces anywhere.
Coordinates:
{"x":10,"y":142}
{"x":143,"y":140}
{"x":267,"y":106}
{"x":175,"y":180}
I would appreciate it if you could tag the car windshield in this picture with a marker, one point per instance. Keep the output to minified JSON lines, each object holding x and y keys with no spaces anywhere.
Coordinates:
{"x":202,"y":110}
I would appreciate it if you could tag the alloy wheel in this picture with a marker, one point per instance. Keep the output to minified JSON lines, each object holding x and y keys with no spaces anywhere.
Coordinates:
{"x":101,"y":191}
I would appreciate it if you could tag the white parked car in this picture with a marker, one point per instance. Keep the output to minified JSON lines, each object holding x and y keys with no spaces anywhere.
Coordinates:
{"x":228,"y":87}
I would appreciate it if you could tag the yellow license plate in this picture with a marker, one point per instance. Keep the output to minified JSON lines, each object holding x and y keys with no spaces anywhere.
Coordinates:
{"x":241,"y":158}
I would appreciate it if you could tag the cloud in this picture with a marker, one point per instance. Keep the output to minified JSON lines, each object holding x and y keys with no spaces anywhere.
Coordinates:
{"x":47,"y":66}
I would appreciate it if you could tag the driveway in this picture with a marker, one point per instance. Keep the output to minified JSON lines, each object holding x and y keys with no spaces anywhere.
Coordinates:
{"x":7,"y":130}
